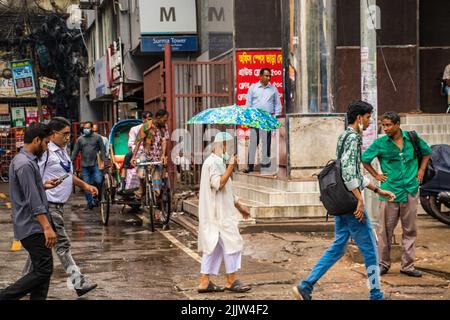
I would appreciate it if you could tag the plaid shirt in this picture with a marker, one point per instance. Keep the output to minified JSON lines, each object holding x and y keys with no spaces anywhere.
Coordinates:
{"x":351,"y":160}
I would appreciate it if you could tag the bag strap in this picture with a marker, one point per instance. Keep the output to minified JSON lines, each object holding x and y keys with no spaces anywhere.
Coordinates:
{"x":341,"y":150}
{"x":415,"y":142}
{"x":45,"y":164}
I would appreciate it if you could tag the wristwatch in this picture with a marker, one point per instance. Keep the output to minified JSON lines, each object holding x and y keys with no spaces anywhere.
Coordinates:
{"x":376,"y":189}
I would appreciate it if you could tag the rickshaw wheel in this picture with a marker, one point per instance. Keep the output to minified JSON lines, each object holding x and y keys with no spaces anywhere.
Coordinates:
{"x":105,"y":204}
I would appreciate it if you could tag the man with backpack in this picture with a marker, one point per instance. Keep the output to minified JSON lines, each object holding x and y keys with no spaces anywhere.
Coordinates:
{"x":356,"y":223}
{"x":403,"y":158}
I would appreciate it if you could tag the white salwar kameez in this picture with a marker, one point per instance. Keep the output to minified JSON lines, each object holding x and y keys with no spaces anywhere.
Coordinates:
{"x":218,"y":235}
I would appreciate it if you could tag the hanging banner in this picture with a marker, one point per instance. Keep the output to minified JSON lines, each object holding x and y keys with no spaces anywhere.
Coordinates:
{"x":6,"y":88}
{"x":23,"y":78}
{"x":47,"y":86}
{"x":46,"y":115}
{"x":31,"y":115}
{"x":248,"y":65}
{"x":18,"y":117}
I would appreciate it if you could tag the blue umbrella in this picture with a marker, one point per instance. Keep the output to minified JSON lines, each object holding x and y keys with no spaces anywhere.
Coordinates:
{"x":237,"y":115}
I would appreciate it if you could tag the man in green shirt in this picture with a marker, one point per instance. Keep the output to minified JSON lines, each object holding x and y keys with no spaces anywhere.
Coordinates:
{"x":401,"y":174}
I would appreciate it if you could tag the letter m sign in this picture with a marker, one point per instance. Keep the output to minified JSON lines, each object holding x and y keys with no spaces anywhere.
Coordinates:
{"x":167,"y":15}
{"x":212,"y":12}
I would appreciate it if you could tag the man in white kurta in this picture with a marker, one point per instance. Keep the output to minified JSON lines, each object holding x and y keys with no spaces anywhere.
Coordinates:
{"x":219,"y":236}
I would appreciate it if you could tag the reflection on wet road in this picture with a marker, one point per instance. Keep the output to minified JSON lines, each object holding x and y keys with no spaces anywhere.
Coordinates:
{"x":124,"y":258}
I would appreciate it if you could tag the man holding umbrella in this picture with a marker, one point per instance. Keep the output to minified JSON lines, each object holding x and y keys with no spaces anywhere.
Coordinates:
{"x":218,"y":231}
{"x":262,"y":95}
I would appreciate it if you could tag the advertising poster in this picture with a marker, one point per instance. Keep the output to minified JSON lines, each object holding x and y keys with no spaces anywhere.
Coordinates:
{"x":23,"y":78}
{"x":20,"y":133}
{"x":31,"y":115}
{"x":18,"y":117}
{"x":46,"y":115}
{"x":47,"y":86}
{"x":248,"y":65}
{"x":6,"y":88}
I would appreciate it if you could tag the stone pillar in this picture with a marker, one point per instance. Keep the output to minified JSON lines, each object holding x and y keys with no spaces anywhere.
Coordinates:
{"x":309,"y":55}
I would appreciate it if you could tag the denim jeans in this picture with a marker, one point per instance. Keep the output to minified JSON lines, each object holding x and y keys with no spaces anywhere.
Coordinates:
{"x":362,"y":233}
{"x":93,"y":176}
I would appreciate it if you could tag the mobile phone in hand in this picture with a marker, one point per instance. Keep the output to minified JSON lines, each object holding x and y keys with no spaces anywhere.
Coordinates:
{"x":64,"y":177}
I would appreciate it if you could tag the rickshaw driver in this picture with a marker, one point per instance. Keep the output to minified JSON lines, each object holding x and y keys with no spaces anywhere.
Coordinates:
{"x":133,"y":136}
{"x":154,"y":135}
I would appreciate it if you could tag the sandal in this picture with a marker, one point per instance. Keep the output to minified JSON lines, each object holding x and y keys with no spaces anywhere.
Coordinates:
{"x":211,"y":288}
{"x":238,"y":286}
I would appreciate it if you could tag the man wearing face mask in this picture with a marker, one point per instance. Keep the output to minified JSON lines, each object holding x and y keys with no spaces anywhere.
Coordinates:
{"x":54,"y":164}
{"x":357,"y":224}
{"x":218,"y":232}
{"x":90,"y":144}
{"x":31,"y":220}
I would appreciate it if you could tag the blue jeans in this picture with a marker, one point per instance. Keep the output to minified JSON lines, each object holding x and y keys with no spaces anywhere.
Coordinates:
{"x":92,"y":176}
{"x":362,"y":233}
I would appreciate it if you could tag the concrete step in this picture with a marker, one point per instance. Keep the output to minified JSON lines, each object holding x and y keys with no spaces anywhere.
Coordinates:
{"x":442,"y":128}
{"x":432,"y":139}
{"x":274,"y":183}
{"x":270,"y":196}
{"x":260,"y":211}
{"x":440,"y":118}
{"x":436,"y":138}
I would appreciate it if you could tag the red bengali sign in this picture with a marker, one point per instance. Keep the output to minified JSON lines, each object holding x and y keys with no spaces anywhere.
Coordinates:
{"x":248,"y":65}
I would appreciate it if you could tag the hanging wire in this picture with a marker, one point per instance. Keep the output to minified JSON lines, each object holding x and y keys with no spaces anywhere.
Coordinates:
{"x":381,"y":48}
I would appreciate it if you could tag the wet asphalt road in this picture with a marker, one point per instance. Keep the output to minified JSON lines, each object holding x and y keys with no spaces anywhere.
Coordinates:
{"x":129,"y":262}
{"x":124,"y":258}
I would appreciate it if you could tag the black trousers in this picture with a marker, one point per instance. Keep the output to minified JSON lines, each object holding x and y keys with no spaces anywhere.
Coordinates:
{"x":254,"y":142}
{"x":37,"y":282}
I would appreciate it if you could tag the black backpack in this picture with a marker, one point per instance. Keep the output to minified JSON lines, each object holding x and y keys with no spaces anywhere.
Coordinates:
{"x":333,"y":193}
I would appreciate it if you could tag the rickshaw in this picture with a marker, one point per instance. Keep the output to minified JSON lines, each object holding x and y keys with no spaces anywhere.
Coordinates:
{"x":109,"y":193}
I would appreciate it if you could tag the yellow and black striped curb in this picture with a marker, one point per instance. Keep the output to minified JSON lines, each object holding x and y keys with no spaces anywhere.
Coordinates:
{"x":4,"y":196}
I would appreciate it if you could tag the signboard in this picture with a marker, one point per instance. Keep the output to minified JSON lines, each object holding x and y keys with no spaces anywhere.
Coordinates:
{"x":116,"y":69}
{"x":248,"y":65}
{"x":101,"y":77}
{"x":178,"y":43}
{"x":31,"y":115}
{"x":219,"y":43}
{"x":23,"y":78}
{"x":47,"y":86}
{"x":168,"y":16}
{"x":6,"y":87}
{"x":18,"y":117}
{"x":218,"y":16}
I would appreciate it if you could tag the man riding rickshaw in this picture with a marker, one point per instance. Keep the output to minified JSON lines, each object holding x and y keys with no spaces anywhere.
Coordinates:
{"x":148,"y":161}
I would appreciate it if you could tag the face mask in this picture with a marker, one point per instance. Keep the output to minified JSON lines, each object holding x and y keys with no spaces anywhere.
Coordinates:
{"x":226,"y":157}
{"x":87,"y":131}
{"x":361,"y":127}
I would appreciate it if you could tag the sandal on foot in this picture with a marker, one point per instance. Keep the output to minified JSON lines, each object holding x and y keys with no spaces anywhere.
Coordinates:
{"x":211,"y":288}
{"x":238,"y":286}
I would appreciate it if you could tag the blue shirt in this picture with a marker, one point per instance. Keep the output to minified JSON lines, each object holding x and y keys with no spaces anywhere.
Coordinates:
{"x":27,"y":195}
{"x":265,"y":98}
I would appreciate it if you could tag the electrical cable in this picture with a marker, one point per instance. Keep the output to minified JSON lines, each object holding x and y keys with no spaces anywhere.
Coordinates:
{"x":381,"y":48}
